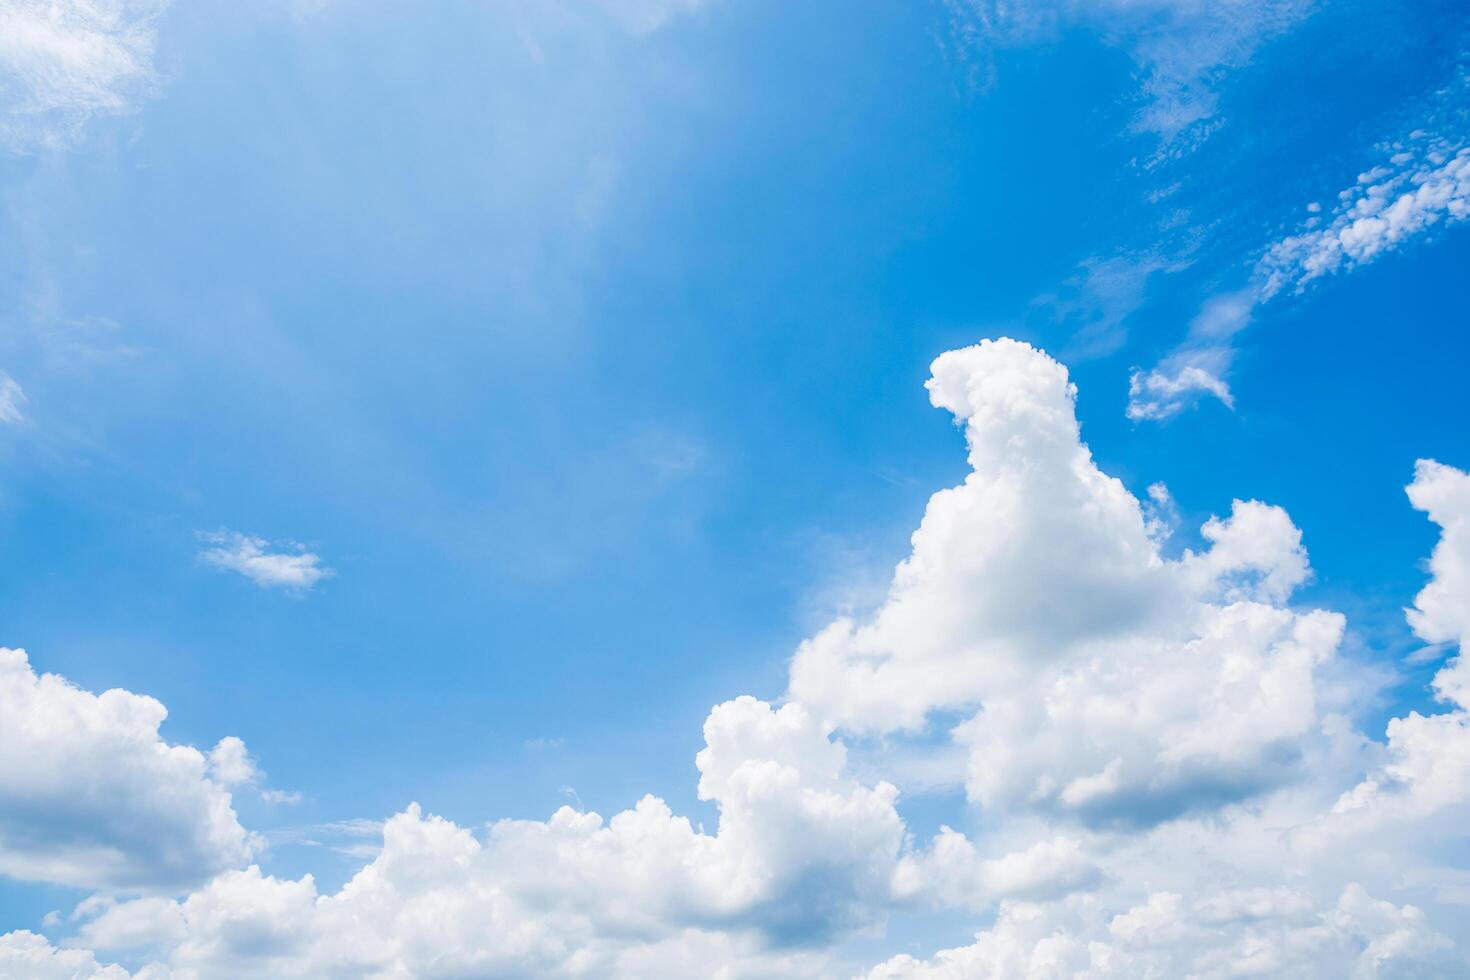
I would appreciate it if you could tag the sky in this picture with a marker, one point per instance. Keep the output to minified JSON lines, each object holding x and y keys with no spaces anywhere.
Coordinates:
{"x":668,"y":488}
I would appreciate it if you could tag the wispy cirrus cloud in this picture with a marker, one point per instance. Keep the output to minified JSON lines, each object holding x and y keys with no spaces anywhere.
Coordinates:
{"x":646,"y":16}
{"x":65,"y":61}
{"x":1183,"y":48}
{"x":12,"y":397}
{"x":270,"y":565}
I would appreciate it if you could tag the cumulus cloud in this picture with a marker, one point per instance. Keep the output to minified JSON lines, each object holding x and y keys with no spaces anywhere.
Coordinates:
{"x":802,"y":854}
{"x":1441,"y":612}
{"x":64,"y":61}
{"x":1101,"y":680}
{"x":1273,"y":889}
{"x":230,"y":762}
{"x":92,"y":796}
{"x":1426,"y":768}
{"x":1165,"y":782}
{"x":270,"y":565}
{"x":1254,"y":932}
{"x":27,"y":956}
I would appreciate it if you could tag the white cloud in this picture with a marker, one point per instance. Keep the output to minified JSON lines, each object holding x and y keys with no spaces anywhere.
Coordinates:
{"x":1251,"y":932}
{"x":953,"y":871}
{"x":91,"y":796}
{"x":802,"y":854}
{"x":294,"y":568}
{"x":11,"y":399}
{"x":1255,"y":556}
{"x":1111,"y":683}
{"x":63,"y":61}
{"x":230,"y":762}
{"x":1198,"y":366}
{"x":1270,"y":890}
{"x":27,"y":956}
{"x":1161,"y":392}
{"x":1441,"y":612}
{"x":280,"y":796}
{"x":1426,"y":768}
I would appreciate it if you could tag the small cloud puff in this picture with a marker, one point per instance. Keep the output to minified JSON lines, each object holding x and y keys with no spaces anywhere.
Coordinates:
{"x":1158,"y":394}
{"x":289,"y":566}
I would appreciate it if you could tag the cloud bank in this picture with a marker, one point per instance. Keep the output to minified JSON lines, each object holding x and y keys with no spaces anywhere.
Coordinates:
{"x":1165,"y":774}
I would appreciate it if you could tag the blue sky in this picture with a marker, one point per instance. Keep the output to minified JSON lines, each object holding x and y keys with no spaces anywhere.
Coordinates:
{"x":581,"y":349}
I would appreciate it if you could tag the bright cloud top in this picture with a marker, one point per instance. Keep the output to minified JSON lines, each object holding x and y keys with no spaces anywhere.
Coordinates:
{"x":1160,"y":750}
{"x":290,"y":567}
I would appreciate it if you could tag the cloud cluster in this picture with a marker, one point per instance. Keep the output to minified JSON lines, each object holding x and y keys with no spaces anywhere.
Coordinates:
{"x":1229,"y":819}
{"x":279,"y":565}
{"x":1421,"y":187}
{"x":1165,"y":776}
{"x":802,"y":854}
